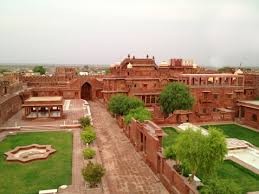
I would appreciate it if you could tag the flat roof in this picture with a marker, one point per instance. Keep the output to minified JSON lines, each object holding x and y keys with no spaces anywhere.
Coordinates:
{"x":225,"y":110}
{"x":251,"y":102}
{"x":44,"y":99}
{"x":211,"y":74}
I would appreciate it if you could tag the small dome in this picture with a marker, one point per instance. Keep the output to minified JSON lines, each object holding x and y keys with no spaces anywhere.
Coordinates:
{"x":164,"y":64}
{"x":195,"y":66}
{"x":238,"y":72}
{"x":129,"y":66}
{"x":112,"y":65}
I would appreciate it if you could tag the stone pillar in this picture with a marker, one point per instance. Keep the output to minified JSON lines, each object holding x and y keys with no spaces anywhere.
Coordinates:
{"x":49,"y":110}
{"x":61,"y":111}
{"x":37,"y":112}
{"x":24,"y":112}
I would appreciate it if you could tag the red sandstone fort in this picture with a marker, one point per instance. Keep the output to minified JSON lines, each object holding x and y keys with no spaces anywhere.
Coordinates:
{"x":218,"y":97}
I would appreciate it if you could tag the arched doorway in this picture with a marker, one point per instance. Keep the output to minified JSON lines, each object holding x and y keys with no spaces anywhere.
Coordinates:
{"x":86,"y":91}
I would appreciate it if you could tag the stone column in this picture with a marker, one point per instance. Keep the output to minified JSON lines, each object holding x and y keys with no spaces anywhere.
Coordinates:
{"x":37,"y":112}
{"x":61,"y":111}
{"x":49,"y":110}
{"x":24,"y":112}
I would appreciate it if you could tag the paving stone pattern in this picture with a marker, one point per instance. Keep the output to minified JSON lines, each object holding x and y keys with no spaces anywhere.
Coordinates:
{"x":126,"y":172}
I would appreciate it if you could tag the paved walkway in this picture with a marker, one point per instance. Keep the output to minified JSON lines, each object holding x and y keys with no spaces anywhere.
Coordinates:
{"x":126,"y":172}
{"x":77,"y":186}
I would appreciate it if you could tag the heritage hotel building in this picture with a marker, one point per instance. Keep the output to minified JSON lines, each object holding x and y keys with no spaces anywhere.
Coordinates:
{"x":218,"y":97}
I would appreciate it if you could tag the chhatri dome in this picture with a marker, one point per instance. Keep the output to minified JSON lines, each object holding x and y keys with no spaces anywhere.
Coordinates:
{"x":129,"y":66}
{"x":164,"y":64}
{"x":238,"y":72}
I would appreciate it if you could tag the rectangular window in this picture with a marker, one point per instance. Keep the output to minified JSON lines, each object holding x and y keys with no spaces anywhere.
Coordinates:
{"x":153,"y":100}
{"x":148,"y":99}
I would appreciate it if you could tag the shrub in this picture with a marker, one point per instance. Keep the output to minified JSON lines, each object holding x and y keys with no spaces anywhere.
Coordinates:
{"x":88,"y":136}
{"x":88,"y":153}
{"x":85,"y":121}
{"x":93,"y":173}
{"x":121,"y":104}
{"x":141,"y":114}
{"x":88,"y":128}
{"x":169,"y":153}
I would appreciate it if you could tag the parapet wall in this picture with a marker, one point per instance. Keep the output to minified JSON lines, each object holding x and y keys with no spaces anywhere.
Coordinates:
{"x":9,"y":107}
{"x":147,"y":139}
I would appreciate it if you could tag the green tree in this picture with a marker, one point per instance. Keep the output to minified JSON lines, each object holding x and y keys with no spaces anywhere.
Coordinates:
{"x":175,"y":96}
{"x":221,"y":186}
{"x":93,"y":173}
{"x":200,"y":153}
{"x":120,"y":104}
{"x":226,"y":70}
{"x":39,"y":69}
{"x":3,"y":71}
{"x":107,"y":71}
{"x":141,"y":114}
{"x":169,"y":153}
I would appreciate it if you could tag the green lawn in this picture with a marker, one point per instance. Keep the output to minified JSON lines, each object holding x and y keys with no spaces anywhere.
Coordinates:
{"x":236,"y":131}
{"x":247,"y":180}
{"x":171,"y":136}
{"x":29,"y":178}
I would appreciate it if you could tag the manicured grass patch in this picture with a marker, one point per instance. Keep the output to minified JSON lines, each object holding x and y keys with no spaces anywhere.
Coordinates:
{"x":239,"y":132}
{"x":31,"y":177}
{"x":247,"y":180}
{"x":171,"y":136}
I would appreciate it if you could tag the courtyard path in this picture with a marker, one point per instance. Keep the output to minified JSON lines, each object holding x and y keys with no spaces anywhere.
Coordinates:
{"x":126,"y":172}
{"x":77,"y":164}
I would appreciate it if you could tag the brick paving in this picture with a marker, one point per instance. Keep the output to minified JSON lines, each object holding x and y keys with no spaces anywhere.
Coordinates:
{"x":126,"y":172}
{"x":77,"y":186}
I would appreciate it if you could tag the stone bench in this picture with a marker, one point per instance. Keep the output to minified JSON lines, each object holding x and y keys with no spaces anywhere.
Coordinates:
{"x":49,"y":191}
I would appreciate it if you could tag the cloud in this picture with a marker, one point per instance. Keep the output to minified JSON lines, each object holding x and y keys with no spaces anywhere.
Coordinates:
{"x":100,"y":31}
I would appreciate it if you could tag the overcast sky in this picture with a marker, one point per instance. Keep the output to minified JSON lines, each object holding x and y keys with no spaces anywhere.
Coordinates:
{"x":220,"y":32}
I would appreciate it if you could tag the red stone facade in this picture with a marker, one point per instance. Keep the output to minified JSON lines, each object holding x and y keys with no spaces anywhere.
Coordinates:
{"x":147,"y":138}
{"x":249,"y":113}
{"x":10,"y":98}
{"x":215,"y":94}
{"x":65,"y":82}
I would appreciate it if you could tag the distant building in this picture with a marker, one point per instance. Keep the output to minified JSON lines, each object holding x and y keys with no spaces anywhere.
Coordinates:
{"x":218,"y":96}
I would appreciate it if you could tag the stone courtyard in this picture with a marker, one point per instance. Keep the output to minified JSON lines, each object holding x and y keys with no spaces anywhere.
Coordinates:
{"x":126,"y":171}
